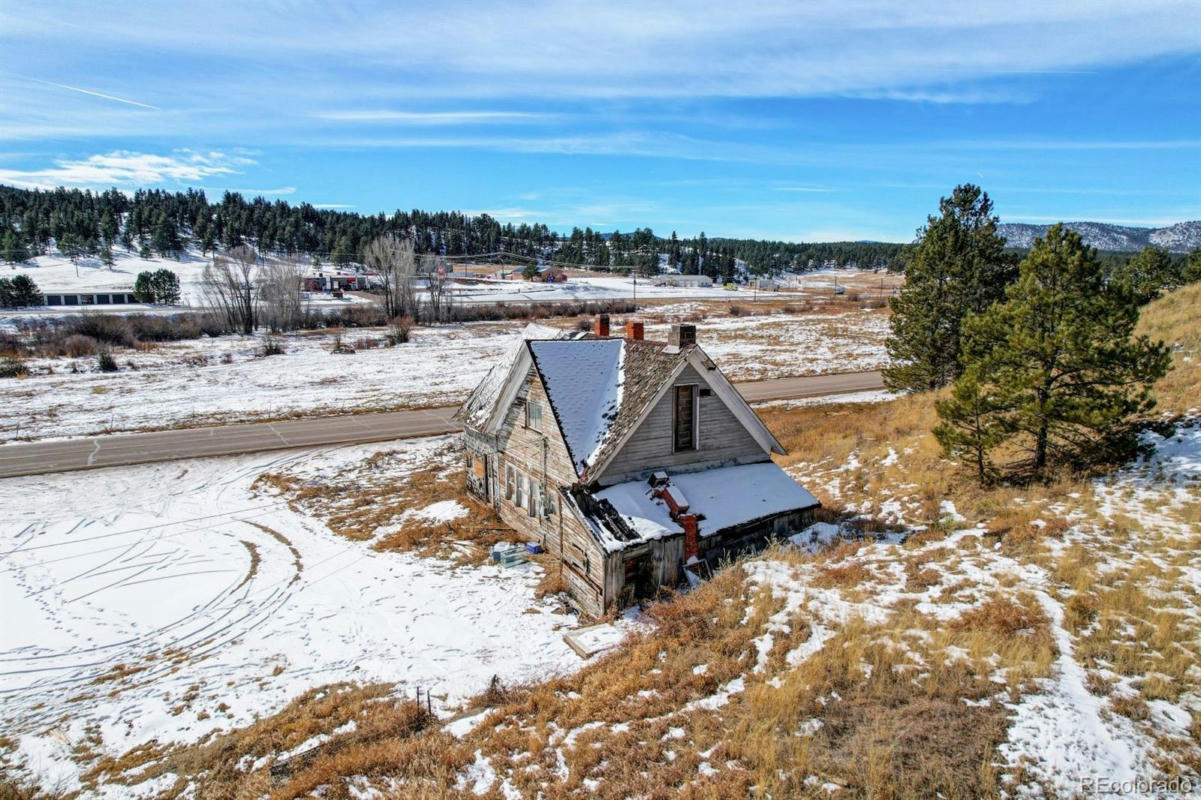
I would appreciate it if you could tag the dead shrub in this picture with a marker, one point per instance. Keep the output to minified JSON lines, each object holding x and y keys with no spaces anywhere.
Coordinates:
{"x":13,"y":367}
{"x":399,"y":331}
{"x":77,"y":345}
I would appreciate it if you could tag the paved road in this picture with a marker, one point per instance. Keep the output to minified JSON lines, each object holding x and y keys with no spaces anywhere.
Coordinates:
{"x":65,"y":455}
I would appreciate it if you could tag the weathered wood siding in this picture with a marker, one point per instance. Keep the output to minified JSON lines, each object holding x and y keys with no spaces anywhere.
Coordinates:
{"x":721,"y":438}
{"x":541,"y":456}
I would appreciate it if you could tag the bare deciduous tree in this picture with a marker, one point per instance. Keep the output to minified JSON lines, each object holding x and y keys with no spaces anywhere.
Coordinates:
{"x":228,"y":284}
{"x":279,"y":291}
{"x":392,"y":259}
{"x":440,"y":298}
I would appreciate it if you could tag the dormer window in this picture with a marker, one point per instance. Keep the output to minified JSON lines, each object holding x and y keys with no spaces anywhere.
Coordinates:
{"x":533,"y":415}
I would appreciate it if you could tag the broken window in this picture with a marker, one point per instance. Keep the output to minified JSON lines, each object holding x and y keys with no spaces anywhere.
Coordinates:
{"x":533,"y":415}
{"x":684,"y":418}
{"x":519,"y":498}
{"x":509,"y":481}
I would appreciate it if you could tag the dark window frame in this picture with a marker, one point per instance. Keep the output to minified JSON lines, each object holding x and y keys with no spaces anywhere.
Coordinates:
{"x":676,"y":430}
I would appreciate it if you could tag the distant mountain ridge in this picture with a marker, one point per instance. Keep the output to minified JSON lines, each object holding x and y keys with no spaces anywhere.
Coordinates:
{"x":1178,"y":238}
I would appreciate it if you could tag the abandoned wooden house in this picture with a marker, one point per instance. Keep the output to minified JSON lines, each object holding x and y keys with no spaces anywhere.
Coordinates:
{"x":636,"y":463}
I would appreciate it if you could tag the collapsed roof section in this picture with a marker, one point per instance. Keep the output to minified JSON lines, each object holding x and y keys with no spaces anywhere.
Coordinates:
{"x":631,"y":513}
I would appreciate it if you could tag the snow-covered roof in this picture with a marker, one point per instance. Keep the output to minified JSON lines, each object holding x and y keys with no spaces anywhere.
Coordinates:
{"x":725,"y":496}
{"x":479,"y":405}
{"x":584,"y":382}
{"x":600,"y":390}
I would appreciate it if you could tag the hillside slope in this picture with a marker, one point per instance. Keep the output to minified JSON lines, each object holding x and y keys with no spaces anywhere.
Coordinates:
{"x":1178,"y":238}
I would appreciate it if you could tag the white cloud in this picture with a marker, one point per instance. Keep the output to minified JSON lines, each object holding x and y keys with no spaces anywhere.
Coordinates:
{"x":626,"y":48}
{"x":125,"y":169}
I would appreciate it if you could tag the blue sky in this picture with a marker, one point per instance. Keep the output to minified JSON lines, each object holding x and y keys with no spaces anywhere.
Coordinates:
{"x":793,"y":120}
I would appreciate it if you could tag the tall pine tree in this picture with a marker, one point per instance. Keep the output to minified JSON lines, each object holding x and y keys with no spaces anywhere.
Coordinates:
{"x":958,"y":268}
{"x":1057,"y":368}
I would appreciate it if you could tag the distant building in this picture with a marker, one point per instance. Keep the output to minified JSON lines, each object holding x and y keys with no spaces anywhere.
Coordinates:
{"x":330,"y":282}
{"x":685,"y":281}
{"x":109,"y":298}
{"x":551,"y":275}
{"x":636,"y":463}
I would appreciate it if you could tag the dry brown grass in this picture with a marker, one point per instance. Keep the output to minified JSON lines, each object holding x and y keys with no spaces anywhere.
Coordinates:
{"x":220,"y":766}
{"x":380,"y":493}
{"x":1173,"y":318}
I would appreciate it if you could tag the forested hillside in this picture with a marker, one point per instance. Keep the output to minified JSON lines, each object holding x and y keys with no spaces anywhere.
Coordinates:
{"x":82,"y":223}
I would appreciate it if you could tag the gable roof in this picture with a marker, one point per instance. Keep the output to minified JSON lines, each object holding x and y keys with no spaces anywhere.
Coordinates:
{"x":600,"y":391}
{"x":661,"y":366}
{"x":584,"y":382}
{"x":480,"y":405}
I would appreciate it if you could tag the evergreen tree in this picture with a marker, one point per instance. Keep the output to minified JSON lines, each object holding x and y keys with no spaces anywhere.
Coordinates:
{"x":108,"y":229}
{"x":25,"y":292}
{"x":343,"y":252}
{"x":971,"y":426}
{"x":165,"y":285}
{"x":1057,"y":366}
{"x":165,"y":240}
{"x":14,"y":248}
{"x":70,"y":246}
{"x":1192,"y":271}
{"x":958,"y":268}
{"x":143,"y":287}
{"x":206,"y":238}
{"x":1147,"y":274}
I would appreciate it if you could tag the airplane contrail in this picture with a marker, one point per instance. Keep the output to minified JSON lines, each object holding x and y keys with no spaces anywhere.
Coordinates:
{"x":98,"y":94}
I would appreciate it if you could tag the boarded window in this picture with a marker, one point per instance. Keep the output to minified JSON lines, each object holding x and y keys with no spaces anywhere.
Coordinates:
{"x":535,"y":499}
{"x":684,"y":415}
{"x":533,"y":415}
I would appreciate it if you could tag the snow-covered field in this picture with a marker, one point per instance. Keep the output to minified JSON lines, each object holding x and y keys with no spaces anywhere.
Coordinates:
{"x":190,"y":383}
{"x":213,"y":381}
{"x":56,"y":272}
{"x":168,"y":601}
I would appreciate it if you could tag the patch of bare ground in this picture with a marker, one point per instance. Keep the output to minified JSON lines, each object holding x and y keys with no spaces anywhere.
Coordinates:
{"x":380,"y":500}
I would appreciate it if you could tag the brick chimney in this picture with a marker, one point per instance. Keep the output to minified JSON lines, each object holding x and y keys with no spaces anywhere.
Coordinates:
{"x":691,"y":541}
{"x":601,"y":328}
{"x":681,"y":336}
{"x":634,"y":329}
